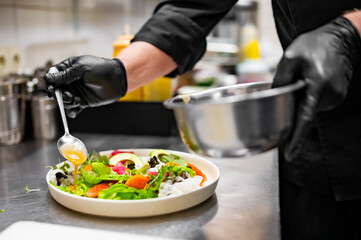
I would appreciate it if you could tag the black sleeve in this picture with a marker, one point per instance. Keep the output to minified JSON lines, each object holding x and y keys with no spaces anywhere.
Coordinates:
{"x":179,"y":28}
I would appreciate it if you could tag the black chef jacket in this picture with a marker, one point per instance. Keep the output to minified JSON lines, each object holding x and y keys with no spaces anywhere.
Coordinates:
{"x":330,"y":160}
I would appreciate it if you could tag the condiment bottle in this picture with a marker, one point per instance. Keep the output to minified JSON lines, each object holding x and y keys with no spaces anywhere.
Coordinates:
{"x":122,"y":42}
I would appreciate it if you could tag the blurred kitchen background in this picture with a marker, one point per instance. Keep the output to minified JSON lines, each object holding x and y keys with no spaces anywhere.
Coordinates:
{"x":38,"y":33}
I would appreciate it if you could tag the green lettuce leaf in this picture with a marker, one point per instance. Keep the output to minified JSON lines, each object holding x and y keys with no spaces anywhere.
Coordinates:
{"x":90,"y":178}
{"x":93,"y":178}
{"x":177,"y":171}
{"x":100,"y":168}
{"x":104,"y":160}
{"x":81,"y":188}
{"x":122,"y":192}
{"x":153,"y":187}
{"x":173,"y":158}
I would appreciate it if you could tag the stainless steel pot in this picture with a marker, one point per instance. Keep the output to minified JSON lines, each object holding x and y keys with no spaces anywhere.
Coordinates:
{"x":12,"y":109}
{"x":234,"y":121}
{"x":46,"y":117}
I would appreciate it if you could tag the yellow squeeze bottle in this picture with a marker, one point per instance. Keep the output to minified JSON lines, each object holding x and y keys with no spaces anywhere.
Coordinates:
{"x":158,"y":90}
{"x":122,"y":42}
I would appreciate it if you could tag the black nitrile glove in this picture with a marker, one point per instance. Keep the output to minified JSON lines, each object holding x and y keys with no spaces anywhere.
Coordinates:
{"x":87,"y":81}
{"x":325,"y":59}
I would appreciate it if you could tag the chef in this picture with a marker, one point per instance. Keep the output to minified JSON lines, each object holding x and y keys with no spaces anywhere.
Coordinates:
{"x":320,"y":159}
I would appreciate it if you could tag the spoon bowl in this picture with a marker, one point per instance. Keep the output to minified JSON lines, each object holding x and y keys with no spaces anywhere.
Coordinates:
{"x":68,"y":140}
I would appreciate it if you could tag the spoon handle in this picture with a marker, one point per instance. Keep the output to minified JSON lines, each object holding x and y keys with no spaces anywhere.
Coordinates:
{"x":59,"y":98}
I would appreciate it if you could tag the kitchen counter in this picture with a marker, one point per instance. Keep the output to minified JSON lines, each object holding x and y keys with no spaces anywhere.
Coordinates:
{"x":245,"y":205}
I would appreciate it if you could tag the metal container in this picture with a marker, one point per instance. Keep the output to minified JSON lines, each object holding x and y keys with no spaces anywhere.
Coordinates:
{"x":45,"y":116}
{"x":12,"y":109}
{"x":234,"y":121}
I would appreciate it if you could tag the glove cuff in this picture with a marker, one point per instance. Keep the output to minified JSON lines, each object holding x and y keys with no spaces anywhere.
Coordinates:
{"x":123,"y":77}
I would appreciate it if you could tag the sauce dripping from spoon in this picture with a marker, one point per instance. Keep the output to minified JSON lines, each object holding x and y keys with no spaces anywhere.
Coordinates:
{"x":76,"y":156}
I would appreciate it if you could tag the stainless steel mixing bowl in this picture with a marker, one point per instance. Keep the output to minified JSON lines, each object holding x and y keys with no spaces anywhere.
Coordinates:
{"x":234,"y":121}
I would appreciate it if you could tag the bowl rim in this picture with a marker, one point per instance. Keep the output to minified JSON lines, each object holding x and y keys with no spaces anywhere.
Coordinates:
{"x":170,"y":103}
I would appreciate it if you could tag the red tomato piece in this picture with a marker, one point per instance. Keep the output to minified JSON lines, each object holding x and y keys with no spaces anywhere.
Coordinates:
{"x":137,"y":181}
{"x":94,"y":191}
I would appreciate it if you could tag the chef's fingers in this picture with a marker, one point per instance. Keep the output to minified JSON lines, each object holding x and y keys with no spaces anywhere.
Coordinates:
{"x":67,"y":97}
{"x":70,"y":101}
{"x":288,"y":71}
{"x":50,"y":90}
{"x":74,"y":112}
{"x":72,"y":105}
{"x":61,"y":78}
{"x":304,"y":120}
{"x":62,"y":66}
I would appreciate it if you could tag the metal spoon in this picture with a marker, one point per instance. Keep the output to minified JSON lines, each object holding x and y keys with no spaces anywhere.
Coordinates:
{"x":67,"y":139}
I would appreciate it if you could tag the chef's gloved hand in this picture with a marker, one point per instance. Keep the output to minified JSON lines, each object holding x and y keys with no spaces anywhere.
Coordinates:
{"x":324,"y":58}
{"x":87,"y":81}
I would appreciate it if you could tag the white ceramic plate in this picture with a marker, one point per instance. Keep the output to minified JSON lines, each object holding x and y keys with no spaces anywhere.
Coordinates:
{"x":142,"y":207}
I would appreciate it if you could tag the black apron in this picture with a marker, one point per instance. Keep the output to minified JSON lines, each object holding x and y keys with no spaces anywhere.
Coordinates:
{"x":320,"y":191}
{"x":330,"y":162}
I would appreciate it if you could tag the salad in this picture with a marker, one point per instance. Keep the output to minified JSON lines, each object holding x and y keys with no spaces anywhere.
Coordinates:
{"x":125,"y":175}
